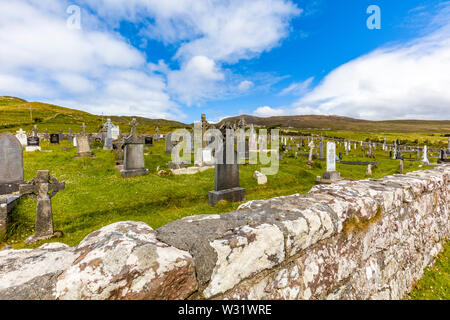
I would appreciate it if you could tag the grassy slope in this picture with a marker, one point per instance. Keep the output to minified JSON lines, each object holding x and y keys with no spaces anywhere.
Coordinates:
{"x":15,"y":114}
{"x":347,"y":124}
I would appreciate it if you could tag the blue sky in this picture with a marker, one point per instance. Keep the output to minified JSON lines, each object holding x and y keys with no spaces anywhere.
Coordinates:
{"x":176,"y":59}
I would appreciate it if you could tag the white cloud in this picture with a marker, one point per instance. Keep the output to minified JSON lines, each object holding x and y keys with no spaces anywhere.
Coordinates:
{"x":399,"y":82}
{"x":92,"y":70}
{"x":245,"y":85}
{"x":223,"y":31}
{"x":298,"y":88}
{"x":199,"y":72}
{"x":267,"y":111}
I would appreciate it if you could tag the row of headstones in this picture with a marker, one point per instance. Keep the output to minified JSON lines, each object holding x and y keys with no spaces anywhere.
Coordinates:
{"x":395,"y":151}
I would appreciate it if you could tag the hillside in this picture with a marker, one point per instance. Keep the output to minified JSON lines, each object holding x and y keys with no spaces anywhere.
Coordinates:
{"x":346,"y":124}
{"x":17,"y":113}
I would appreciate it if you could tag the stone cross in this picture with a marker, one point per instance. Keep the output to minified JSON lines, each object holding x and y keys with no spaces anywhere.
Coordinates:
{"x":205,"y":126}
{"x":42,"y":188}
{"x":46,"y":137}
{"x":133,"y":125}
{"x":83,"y":129}
{"x":35,"y":131}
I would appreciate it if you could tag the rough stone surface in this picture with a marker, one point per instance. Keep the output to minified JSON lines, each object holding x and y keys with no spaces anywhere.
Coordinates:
{"x":31,"y":274}
{"x":125,"y":261}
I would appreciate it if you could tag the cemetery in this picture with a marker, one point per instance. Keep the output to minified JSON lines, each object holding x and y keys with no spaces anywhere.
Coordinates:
{"x":105,"y":189}
{"x":219,"y":151}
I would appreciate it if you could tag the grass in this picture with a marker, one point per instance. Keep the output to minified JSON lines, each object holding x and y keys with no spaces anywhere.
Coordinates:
{"x":434,"y":285}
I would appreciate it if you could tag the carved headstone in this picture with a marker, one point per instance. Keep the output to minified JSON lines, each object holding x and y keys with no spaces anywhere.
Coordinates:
{"x":226,"y":175}
{"x":54,"y":138}
{"x":42,"y":188}
{"x":425,"y":156}
{"x":331,"y":174}
{"x":22,"y":137}
{"x":134,"y":164}
{"x":108,"y":140}
{"x":11,"y":163}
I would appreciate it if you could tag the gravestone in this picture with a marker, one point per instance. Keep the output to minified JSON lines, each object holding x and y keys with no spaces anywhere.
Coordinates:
{"x":75,"y":141}
{"x":157,"y":136}
{"x":115,"y":132}
{"x":425,"y":156}
{"x":32,"y":144}
{"x":448,"y":146}
{"x":134,"y":164}
{"x":401,"y":167}
{"x":207,"y":157}
{"x":54,"y":138}
{"x":226,"y":176}
{"x":11,"y":163}
{"x":321,"y":146}
{"x":119,"y":150}
{"x":82,"y":144}
{"x":46,"y":136}
{"x":149,"y":141}
{"x":108,"y":139}
{"x":169,"y":144}
{"x":70,"y":136}
{"x":369,"y":170}
{"x":60,"y":135}
{"x":331,"y":174}
{"x":22,"y":137}
{"x":311,"y":149}
{"x":42,"y":188}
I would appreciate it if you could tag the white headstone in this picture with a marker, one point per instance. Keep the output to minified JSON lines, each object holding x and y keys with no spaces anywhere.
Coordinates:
{"x":331,"y":156}
{"x":115,"y":132}
{"x":22,"y":137}
{"x":425,"y":156}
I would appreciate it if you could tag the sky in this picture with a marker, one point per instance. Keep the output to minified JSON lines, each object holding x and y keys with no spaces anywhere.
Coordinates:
{"x":177,"y":59}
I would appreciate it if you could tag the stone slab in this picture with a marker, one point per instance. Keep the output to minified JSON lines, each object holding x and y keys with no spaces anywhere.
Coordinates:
{"x":232,"y":195}
{"x":133,"y":172}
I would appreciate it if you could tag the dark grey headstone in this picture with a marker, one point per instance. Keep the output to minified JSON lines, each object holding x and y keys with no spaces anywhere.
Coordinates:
{"x":54,"y":138}
{"x":11,"y":163}
{"x":226,"y":181}
{"x":33,"y":141}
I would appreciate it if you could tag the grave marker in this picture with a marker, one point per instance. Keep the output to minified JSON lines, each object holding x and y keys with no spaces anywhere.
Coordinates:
{"x":11,"y":164}
{"x":226,"y":175}
{"x":42,"y":188}
{"x":134,"y":164}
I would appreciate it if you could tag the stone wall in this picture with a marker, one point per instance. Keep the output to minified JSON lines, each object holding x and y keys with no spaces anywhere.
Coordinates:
{"x":367,"y":239}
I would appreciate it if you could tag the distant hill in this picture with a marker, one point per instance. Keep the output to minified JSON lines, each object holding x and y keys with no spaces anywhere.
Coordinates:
{"x":344,"y":123}
{"x":18,"y":113}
